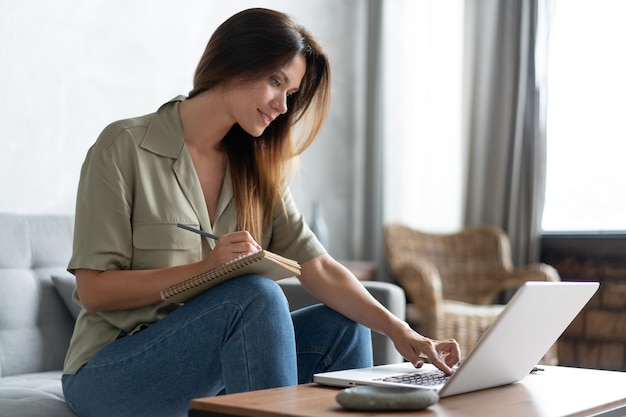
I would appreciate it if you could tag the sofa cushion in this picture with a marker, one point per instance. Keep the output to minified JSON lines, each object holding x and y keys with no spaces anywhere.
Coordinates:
{"x":35,"y":326}
{"x":37,"y":394}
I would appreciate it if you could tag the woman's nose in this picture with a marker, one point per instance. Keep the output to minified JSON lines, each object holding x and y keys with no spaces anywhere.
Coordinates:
{"x":280,"y":103}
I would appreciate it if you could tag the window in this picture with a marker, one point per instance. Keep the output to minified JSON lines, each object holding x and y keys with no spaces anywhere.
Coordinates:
{"x":422,"y":104}
{"x":586,"y":130}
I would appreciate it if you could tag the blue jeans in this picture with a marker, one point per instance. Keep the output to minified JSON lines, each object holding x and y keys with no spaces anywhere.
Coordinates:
{"x":238,"y":336}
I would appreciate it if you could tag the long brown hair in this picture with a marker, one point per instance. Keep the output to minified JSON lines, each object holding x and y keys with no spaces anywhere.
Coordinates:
{"x":249,"y":46}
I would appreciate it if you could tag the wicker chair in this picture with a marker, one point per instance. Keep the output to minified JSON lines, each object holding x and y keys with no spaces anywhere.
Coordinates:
{"x":453,"y":280}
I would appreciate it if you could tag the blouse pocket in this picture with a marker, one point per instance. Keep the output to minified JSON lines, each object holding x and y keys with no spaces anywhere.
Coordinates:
{"x":160,"y":245}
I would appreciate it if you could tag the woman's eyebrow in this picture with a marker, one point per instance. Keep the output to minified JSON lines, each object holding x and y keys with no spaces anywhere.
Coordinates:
{"x":283,"y":74}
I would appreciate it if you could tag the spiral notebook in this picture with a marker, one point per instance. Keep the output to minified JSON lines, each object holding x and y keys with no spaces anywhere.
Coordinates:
{"x":263,"y":262}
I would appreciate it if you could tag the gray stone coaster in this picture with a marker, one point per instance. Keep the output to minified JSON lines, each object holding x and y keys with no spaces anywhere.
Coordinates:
{"x":386,"y":398}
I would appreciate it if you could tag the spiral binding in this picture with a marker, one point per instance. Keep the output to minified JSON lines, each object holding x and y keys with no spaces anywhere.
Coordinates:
{"x":216,"y":273}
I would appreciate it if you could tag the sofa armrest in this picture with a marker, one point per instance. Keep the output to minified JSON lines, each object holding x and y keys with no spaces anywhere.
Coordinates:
{"x":389,"y":295}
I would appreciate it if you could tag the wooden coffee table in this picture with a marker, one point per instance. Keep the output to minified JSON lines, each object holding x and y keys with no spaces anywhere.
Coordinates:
{"x":558,"y":391}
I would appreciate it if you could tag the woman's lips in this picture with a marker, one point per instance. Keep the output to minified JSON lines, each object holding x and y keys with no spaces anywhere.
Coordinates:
{"x":265,"y":117}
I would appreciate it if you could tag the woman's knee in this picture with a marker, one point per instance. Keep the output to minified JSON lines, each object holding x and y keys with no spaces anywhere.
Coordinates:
{"x":262,"y":307}
{"x":260,"y":292}
{"x":247,"y":292}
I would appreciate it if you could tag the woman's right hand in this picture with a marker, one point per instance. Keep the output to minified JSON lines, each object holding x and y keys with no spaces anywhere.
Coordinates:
{"x":231,"y":246}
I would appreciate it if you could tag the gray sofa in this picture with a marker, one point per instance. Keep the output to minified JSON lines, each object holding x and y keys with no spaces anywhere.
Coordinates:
{"x":37,"y":314}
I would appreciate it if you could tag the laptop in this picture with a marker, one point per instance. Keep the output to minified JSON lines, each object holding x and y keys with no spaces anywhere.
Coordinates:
{"x":508,"y":350}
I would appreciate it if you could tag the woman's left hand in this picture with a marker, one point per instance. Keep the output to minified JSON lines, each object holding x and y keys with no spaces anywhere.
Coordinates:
{"x":444,"y":354}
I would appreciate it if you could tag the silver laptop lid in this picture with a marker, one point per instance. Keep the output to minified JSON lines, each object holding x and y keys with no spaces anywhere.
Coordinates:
{"x":533,"y":320}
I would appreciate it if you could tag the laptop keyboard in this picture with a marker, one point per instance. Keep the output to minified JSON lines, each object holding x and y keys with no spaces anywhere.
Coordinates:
{"x":430,"y":378}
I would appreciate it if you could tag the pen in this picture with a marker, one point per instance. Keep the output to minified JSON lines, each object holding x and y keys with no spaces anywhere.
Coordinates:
{"x":198,"y":231}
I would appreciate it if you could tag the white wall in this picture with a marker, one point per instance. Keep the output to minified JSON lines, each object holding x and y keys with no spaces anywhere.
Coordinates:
{"x":71,"y":67}
{"x":424,"y":153}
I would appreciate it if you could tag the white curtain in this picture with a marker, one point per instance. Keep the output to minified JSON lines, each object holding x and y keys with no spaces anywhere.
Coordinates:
{"x":421,"y":112}
{"x":505,"y":108}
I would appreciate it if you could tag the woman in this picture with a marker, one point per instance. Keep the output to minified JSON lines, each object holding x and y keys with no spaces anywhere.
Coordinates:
{"x":219,"y":160}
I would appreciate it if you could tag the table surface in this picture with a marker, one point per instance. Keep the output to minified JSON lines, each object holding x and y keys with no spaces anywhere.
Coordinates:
{"x":557,"y":391}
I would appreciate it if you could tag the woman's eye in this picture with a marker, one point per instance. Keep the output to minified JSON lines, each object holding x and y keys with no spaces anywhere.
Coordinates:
{"x":276,"y":82}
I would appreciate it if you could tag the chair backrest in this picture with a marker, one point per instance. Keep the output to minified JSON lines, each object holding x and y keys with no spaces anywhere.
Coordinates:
{"x":35,"y":325}
{"x":470,"y":263}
